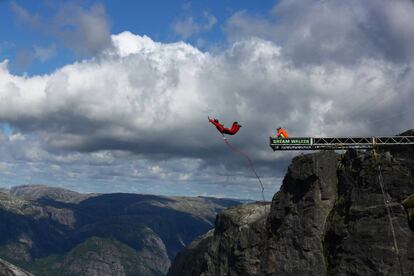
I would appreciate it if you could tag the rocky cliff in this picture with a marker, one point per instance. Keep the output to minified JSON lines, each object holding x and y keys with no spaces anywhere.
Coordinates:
{"x":329,"y":218}
{"x":7,"y":269}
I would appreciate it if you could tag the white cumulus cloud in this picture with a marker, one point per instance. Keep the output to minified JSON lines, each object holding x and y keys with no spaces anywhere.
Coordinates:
{"x":138,"y":111}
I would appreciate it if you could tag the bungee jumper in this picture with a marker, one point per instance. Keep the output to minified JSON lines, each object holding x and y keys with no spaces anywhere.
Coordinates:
{"x":224,"y":130}
{"x":233,"y":130}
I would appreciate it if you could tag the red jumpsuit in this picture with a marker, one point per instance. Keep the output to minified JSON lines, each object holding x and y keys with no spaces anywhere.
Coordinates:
{"x":233,"y":130}
{"x":282,"y":133}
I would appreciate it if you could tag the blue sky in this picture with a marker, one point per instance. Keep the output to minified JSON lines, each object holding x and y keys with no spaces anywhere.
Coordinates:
{"x":98,"y":96}
{"x":152,"y":18}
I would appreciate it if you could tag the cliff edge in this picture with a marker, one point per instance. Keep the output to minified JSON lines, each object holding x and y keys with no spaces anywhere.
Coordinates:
{"x":329,"y":218}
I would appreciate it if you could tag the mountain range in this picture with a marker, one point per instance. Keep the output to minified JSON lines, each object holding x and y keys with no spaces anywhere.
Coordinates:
{"x":54,"y":231}
{"x":336,"y":213}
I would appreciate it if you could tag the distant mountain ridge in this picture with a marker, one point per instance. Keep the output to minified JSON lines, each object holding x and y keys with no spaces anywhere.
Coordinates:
{"x":7,"y":269}
{"x":55,"y":231}
{"x":35,"y":192}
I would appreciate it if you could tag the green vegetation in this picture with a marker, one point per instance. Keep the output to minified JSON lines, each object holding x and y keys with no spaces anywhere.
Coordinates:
{"x":409,"y":202}
{"x":94,"y":250}
{"x":44,"y":266}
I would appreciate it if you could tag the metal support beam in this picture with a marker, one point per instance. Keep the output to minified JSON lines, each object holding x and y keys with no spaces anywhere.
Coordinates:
{"x":332,"y":143}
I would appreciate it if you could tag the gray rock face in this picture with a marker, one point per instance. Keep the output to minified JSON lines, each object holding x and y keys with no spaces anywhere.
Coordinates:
{"x":7,"y":269}
{"x":359,"y":238}
{"x":329,"y":218}
{"x":297,"y":221}
{"x":234,"y":247}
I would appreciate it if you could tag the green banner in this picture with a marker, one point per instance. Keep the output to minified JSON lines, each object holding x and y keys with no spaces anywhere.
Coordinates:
{"x":291,"y":141}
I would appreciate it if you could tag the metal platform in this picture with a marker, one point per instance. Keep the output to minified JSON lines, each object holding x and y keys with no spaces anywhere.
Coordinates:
{"x":309,"y":143}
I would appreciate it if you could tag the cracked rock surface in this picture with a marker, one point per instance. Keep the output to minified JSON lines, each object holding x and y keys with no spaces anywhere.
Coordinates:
{"x":328,"y":218}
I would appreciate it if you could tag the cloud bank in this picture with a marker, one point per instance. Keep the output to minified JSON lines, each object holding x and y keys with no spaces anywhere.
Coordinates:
{"x":137,"y":111}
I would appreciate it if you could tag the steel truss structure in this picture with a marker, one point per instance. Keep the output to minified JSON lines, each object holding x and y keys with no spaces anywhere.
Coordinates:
{"x":309,"y":143}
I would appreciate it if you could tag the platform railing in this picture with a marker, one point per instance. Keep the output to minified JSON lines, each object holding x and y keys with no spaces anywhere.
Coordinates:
{"x":338,"y":143}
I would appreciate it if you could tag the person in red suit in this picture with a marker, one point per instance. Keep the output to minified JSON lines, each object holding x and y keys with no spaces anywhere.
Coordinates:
{"x":224,"y":130}
{"x":282,"y":133}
